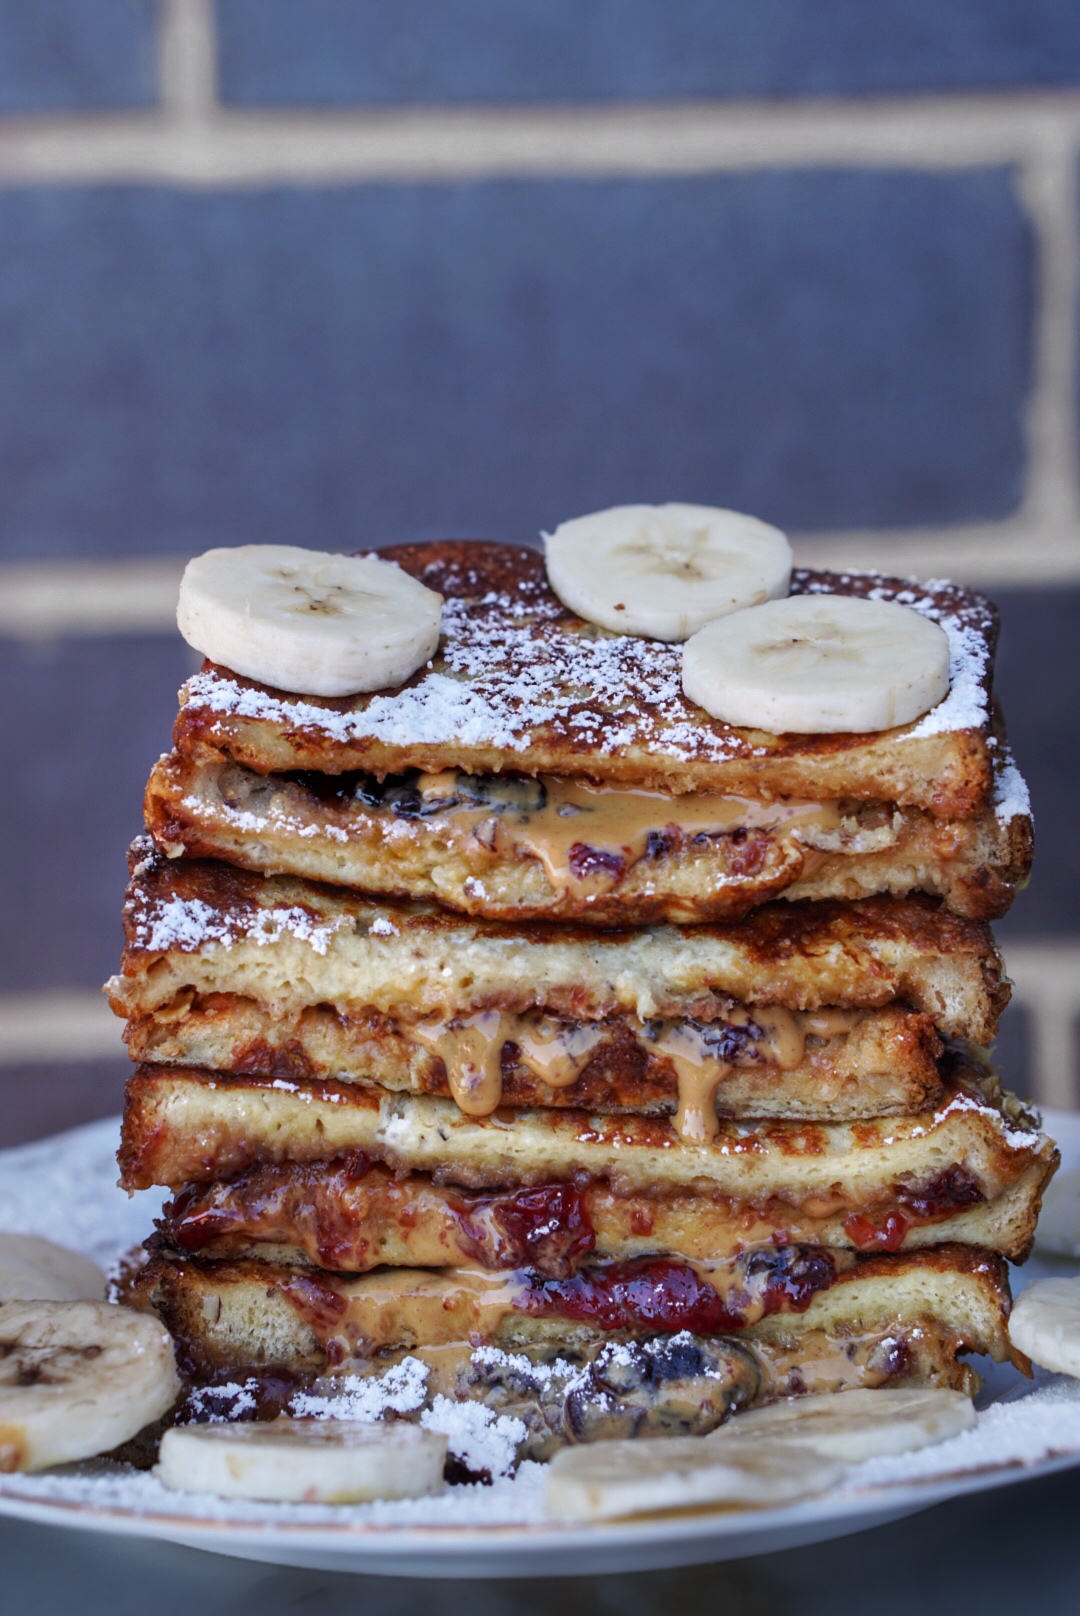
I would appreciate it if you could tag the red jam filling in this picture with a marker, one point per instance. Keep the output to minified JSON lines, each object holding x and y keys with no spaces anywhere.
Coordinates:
{"x":657,"y":1293}
{"x":885,"y":1229}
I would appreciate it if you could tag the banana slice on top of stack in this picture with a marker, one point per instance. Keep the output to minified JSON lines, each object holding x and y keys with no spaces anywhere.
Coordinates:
{"x":664,"y":571}
{"x":754,"y":656}
{"x":308,"y":621}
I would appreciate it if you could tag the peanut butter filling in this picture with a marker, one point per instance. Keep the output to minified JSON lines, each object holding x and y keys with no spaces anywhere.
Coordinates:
{"x":702,"y":1054}
{"x":588,"y":836}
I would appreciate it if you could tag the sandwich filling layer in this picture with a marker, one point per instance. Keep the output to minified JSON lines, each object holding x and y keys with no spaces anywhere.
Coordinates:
{"x":833,"y":1065}
{"x":510,"y":847}
{"x":199,"y":927}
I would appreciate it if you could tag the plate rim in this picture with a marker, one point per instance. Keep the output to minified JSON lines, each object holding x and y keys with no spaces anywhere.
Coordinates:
{"x":369,"y":1545}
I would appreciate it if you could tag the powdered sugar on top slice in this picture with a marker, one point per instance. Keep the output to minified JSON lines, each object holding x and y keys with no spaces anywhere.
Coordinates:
{"x":512,"y":667}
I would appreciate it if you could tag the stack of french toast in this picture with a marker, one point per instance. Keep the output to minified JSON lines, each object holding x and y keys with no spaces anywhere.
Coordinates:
{"x":616,"y":1065}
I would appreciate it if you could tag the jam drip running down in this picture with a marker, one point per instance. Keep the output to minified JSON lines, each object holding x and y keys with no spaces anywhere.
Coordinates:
{"x":657,"y":1293}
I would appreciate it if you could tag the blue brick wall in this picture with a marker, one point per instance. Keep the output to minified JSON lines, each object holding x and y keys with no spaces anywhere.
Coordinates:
{"x":337,"y":365}
{"x":84,"y":718}
{"x":341,"y":366}
{"x":60,"y":55}
{"x":331,"y":52}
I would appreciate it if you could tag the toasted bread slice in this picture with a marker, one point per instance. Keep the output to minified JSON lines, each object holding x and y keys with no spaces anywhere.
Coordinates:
{"x":515,"y":849}
{"x":519,"y":683}
{"x":350,"y":1216}
{"x":859,"y":1063}
{"x":184,"y":1126}
{"x":199,"y":928}
{"x":237,"y":1315}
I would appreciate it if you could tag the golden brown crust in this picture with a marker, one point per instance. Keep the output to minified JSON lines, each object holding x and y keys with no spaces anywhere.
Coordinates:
{"x":184,"y":1126}
{"x":885,"y":1066}
{"x":282,"y":825}
{"x":520,"y":683}
{"x":200,"y":926}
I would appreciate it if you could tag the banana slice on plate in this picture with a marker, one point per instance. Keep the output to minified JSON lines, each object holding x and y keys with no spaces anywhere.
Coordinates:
{"x":607,"y":1479}
{"x":1058,"y":1228}
{"x":304,"y":1461}
{"x":1045,"y":1324}
{"x":856,"y":1425}
{"x":78,"y":1378}
{"x":35,"y":1269}
{"x":665,"y":570}
{"x":306,"y":621}
{"x":818,"y":664}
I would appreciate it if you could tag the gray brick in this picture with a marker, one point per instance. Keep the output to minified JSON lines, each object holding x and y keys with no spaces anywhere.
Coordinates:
{"x":334,"y":52}
{"x":825,"y":348}
{"x":80,"y":725}
{"x":57,"y":55}
{"x":1038,"y":684}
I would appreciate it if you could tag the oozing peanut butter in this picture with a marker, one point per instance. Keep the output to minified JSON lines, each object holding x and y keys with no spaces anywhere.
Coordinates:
{"x":470,"y":1048}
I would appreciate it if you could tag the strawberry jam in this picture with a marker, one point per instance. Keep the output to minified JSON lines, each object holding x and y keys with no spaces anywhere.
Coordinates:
{"x":661,"y":1294}
{"x":885,"y":1228}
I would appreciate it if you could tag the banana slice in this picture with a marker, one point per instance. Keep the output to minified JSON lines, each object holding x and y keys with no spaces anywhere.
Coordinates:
{"x":665,"y":570}
{"x":1059,"y":1221}
{"x":305,"y":621}
{"x":1045,"y":1324}
{"x":35,"y":1269}
{"x":682,"y":1472}
{"x":304,"y":1461}
{"x":856,"y":1425}
{"x":78,"y":1378}
{"x":818,"y":664}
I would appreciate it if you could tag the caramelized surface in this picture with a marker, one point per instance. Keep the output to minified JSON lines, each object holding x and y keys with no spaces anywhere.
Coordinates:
{"x":521,"y":683}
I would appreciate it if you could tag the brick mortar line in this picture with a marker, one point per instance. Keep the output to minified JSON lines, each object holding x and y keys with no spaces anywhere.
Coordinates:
{"x":138,"y":594}
{"x":187,"y":59}
{"x":1047,"y":192}
{"x":194,"y":142}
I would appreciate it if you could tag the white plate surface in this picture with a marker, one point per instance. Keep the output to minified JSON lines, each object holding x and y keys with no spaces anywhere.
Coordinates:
{"x":65,"y":1189}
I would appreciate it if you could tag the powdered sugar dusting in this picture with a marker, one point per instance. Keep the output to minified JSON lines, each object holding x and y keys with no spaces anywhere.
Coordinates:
{"x":1012,"y":800}
{"x":513,"y":666}
{"x":402,"y":1389}
{"x":186,"y":925}
{"x":483,"y":1441}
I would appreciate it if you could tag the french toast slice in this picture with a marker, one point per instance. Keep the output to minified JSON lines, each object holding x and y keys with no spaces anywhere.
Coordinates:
{"x":513,"y":848}
{"x":837,"y":1066}
{"x":234,"y":1316}
{"x":199,"y":928}
{"x":183,"y":1126}
{"x":520,"y":684}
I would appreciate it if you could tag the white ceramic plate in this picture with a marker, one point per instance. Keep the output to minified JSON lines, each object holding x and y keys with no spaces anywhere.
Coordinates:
{"x":64,"y":1188}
